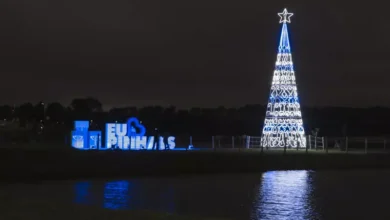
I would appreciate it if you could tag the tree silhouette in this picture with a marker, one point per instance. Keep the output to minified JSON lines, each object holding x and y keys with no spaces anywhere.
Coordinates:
{"x":198,"y":122}
{"x":25,"y":114}
{"x":84,"y":108}
{"x":55,"y":112}
{"x":6,"y":112}
{"x":39,"y":111}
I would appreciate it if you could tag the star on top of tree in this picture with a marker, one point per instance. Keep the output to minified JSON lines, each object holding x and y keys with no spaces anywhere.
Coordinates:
{"x":285,"y":16}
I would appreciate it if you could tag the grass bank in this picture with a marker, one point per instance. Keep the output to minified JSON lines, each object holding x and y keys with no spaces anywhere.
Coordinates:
{"x":22,"y":164}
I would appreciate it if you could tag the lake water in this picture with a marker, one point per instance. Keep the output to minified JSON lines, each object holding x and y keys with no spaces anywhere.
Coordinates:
{"x":272,"y":195}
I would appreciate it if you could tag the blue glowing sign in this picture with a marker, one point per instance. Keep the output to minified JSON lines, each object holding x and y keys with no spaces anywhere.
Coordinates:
{"x":126,"y":136}
{"x":131,"y":136}
{"x":81,"y":125}
{"x":95,"y":139}
{"x":80,"y":135}
{"x":136,"y":128}
{"x":79,"y":139}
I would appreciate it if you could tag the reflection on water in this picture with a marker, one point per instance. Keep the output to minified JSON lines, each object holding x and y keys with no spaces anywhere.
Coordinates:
{"x":126,"y":194}
{"x":284,"y":195}
{"x":272,"y":195}
{"x":116,"y":195}
{"x":277,"y":194}
{"x":81,"y":192}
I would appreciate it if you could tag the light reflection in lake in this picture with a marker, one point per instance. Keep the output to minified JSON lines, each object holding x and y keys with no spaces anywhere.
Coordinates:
{"x":276,"y":194}
{"x":284,"y":195}
{"x":82,"y":192}
{"x":116,"y":195}
{"x":336,"y":195}
{"x":125,"y":194}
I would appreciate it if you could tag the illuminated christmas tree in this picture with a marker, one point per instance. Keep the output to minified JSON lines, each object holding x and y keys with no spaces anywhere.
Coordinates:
{"x":283,"y":125}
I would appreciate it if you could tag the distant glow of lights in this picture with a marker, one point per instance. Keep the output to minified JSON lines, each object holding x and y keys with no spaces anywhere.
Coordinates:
{"x":283,"y":125}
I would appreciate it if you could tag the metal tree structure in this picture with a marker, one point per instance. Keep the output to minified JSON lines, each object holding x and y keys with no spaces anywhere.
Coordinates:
{"x":283,"y":125}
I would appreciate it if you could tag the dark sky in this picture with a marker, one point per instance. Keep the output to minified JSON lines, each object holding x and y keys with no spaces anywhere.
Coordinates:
{"x":191,"y":53}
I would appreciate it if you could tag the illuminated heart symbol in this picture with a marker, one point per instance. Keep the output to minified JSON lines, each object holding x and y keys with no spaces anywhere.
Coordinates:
{"x":134,"y":125}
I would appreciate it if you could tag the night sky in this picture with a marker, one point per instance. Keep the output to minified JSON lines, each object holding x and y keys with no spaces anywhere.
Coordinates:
{"x":191,"y":53}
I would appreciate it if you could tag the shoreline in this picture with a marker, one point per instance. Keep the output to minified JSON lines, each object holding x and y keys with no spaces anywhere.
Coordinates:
{"x":36,"y":165}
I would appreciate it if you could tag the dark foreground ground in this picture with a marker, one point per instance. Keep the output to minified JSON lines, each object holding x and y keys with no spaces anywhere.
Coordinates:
{"x":25,"y":165}
{"x":65,"y":212}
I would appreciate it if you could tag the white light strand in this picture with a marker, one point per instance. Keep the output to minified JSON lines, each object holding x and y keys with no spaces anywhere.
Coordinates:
{"x":283,"y":125}
{"x":283,"y":132}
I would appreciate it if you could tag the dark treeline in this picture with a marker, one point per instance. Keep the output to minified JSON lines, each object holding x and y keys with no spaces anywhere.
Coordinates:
{"x":57,"y":120}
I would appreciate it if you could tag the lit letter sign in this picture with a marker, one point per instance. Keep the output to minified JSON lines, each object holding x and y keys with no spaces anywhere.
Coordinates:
{"x":128,"y":136}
